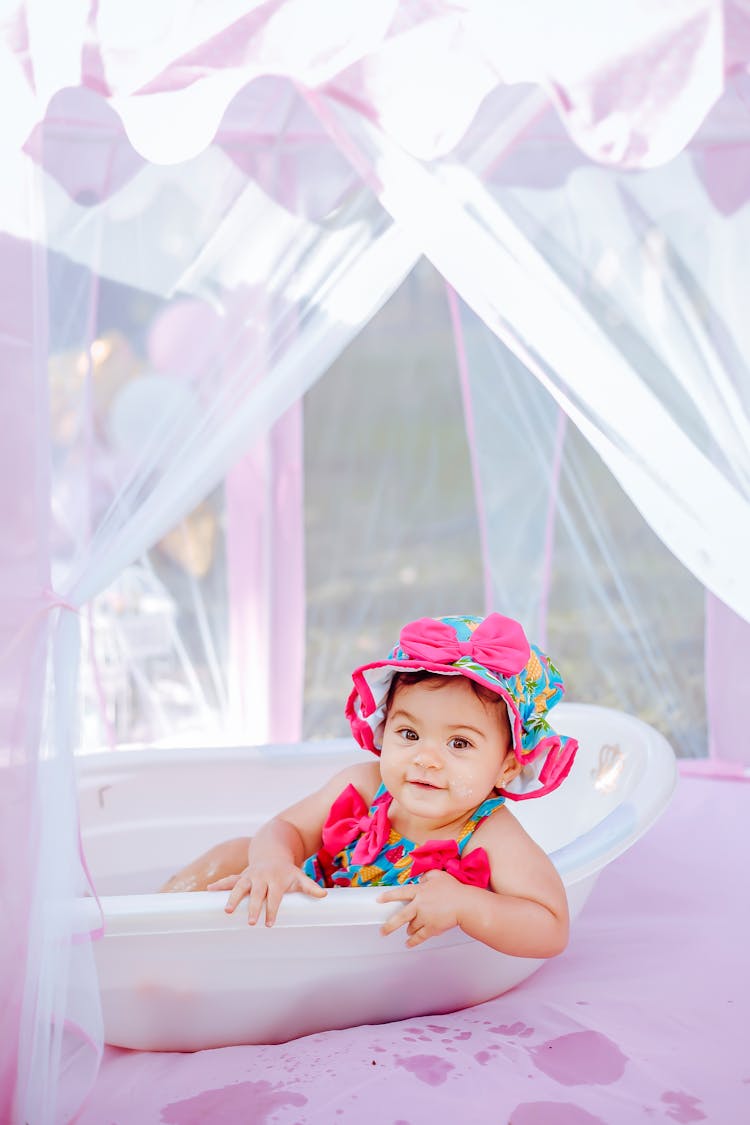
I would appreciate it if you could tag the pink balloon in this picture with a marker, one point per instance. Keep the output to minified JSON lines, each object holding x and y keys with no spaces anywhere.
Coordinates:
{"x":184,"y":337}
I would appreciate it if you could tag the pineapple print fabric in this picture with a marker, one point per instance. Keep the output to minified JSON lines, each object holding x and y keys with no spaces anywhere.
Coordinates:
{"x":372,"y":854}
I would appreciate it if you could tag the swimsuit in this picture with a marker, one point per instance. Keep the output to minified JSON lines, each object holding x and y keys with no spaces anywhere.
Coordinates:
{"x":361,"y":849}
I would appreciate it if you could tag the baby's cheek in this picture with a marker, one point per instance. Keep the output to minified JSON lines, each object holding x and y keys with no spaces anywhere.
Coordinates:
{"x":387,"y":775}
{"x":464,"y":787}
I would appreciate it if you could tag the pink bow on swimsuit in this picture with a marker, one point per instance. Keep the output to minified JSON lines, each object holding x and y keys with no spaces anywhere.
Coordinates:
{"x":443,"y":855}
{"x":348,"y":817}
{"x":499,"y":643}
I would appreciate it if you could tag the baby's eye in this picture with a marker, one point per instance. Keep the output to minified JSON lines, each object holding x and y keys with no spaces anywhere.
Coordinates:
{"x":459,"y":743}
{"x":408,"y":734}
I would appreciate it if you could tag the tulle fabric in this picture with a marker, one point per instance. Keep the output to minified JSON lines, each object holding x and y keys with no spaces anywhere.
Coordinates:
{"x":200,"y":208}
{"x":153,"y":404}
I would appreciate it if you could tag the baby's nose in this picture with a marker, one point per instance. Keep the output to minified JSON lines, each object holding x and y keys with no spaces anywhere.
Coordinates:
{"x":428,"y":755}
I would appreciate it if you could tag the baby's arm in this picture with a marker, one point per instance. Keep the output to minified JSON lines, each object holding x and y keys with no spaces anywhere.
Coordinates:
{"x":527,"y":913}
{"x":280,"y":846}
{"x":524,"y":913}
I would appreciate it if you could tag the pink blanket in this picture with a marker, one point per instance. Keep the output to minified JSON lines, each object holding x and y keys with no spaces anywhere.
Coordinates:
{"x":644,"y":1019}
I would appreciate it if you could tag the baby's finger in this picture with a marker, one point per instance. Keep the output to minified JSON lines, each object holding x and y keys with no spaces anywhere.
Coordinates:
{"x":241,"y":887}
{"x":224,"y":884}
{"x":257,"y":898}
{"x":398,"y":894}
{"x":419,"y":937}
{"x":273,"y":902}
{"x":399,"y":919}
{"x":308,"y":886}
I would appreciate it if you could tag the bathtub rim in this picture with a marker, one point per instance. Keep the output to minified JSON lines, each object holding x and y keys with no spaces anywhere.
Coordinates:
{"x":199,"y":911}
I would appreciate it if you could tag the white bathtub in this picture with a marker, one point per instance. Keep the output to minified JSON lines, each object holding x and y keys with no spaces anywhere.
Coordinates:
{"x":177,"y":973}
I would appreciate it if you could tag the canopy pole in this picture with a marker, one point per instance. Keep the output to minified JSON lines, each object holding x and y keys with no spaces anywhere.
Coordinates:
{"x":727,"y":657}
{"x":266,"y":578}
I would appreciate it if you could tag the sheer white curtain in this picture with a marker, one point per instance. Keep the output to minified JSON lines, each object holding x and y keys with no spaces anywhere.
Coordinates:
{"x":131,"y":463}
{"x":689,"y":489}
{"x":396,"y":526}
{"x":570,"y":555}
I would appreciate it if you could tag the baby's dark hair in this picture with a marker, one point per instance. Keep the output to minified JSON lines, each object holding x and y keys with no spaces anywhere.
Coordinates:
{"x":435,"y":679}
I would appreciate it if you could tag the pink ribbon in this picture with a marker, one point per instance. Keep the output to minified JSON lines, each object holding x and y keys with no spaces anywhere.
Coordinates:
{"x":559,"y":760}
{"x":499,"y":643}
{"x":442,"y":855}
{"x":559,"y":756}
{"x":350,"y":817}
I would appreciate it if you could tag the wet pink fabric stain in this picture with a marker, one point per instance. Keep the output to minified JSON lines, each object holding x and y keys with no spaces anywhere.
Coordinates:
{"x":581,"y":1058}
{"x":552,"y":1113}
{"x":683,"y":1107}
{"x":241,"y":1101}
{"x":514,"y":1030}
{"x":427,"y":1068}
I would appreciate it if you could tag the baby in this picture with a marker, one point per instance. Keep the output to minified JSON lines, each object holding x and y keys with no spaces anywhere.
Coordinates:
{"x":456,"y":719}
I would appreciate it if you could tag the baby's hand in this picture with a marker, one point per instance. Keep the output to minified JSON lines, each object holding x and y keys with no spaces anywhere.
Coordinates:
{"x":432,"y":906}
{"x":266,"y":882}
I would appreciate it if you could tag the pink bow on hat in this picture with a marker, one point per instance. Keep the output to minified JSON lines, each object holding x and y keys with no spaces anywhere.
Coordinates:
{"x":442,"y":855}
{"x":499,"y":643}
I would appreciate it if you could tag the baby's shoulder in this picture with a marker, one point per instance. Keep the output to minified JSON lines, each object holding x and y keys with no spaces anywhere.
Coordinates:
{"x":364,"y":776}
{"x":500,"y":828}
{"x":518,"y":864}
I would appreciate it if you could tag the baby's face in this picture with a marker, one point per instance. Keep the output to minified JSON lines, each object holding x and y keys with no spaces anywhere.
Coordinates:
{"x":444,"y":749}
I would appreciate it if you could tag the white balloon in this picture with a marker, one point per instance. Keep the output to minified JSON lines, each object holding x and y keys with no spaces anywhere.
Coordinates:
{"x":147,"y":404}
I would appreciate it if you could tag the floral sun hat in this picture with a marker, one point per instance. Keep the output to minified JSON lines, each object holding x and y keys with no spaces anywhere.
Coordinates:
{"x":494,"y":652}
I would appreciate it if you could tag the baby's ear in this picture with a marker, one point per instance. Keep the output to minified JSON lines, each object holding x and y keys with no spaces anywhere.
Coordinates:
{"x":509,"y":770}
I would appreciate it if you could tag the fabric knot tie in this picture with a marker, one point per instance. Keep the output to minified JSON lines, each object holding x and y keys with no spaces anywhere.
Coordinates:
{"x":350,"y":817}
{"x":443,"y":855}
{"x":498,"y":643}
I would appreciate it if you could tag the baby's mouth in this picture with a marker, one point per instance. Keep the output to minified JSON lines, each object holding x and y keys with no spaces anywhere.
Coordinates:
{"x":423,"y":784}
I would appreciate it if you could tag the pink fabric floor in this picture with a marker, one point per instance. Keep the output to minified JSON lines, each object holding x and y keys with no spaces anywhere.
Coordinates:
{"x":645,"y":1018}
